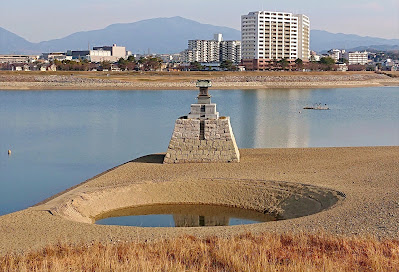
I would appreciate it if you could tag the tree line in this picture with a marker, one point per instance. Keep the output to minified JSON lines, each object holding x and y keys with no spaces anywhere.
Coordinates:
{"x":148,"y":63}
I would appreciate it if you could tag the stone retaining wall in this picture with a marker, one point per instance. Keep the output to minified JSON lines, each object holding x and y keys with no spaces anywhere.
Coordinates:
{"x":217,"y":144}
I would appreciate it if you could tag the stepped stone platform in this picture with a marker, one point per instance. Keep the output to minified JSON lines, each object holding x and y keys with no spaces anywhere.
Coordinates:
{"x":202,"y":136}
{"x":217,"y":145}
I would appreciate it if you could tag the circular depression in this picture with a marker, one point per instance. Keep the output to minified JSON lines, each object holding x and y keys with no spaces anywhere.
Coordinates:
{"x":274,"y":199}
{"x":183,"y":215}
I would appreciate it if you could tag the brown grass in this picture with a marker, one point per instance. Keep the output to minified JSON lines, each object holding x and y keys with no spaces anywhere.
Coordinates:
{"x":267,"y":252}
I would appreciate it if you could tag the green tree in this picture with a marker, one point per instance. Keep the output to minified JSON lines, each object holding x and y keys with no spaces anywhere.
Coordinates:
{"x":131,"y":59}
{"x":196,"y":66}
{"x":328,"y":63}
{"x":105,"y":65}
{"x":299,"y":64}
{"x":154,"y":63}
{"x":227,"y":65}
{"x":122,"y":63}
{"x":284,"y":63}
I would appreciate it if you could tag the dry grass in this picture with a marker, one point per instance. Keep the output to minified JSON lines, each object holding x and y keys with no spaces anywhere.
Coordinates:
{"x":267,"y":252}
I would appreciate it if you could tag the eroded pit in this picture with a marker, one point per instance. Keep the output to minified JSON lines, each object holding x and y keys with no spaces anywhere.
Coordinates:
{"x":262,"y":200}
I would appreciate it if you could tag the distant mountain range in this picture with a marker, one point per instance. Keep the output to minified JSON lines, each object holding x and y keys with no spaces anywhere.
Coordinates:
{"x":12,"y":43}
{"x":322,"y":41}
{"x":170,"y":35}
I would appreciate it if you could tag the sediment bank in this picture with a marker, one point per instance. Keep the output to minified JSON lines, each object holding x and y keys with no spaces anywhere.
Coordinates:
{"x":363,"y":179}
{"x":186,"y":81}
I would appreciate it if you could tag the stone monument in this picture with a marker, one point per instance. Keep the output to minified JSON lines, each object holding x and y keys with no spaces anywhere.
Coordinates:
{"x":202,"y":136}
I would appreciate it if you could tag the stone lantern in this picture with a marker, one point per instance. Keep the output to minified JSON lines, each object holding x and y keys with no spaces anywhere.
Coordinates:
{"x":202,"y":136}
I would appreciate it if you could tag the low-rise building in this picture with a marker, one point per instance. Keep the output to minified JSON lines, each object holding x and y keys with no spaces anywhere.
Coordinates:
{"x":342,"y":67}
{"x":168,"y":58}
{"x":357,"y":57}
{"x":18,"y":58}
{"x":314,"y":56}
{"x":55,"y":56}
{"x":336,"y":54}
{"x":98,"y":54}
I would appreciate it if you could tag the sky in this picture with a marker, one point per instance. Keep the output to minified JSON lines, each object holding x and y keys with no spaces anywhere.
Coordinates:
{"x":41,"y":20}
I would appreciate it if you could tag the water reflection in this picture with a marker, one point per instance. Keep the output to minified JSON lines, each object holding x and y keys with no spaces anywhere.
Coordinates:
{"x":182,"y":216}
{"x":278,"y":119}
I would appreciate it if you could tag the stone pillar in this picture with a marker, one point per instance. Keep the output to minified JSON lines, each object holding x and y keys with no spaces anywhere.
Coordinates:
{"x":217,"y":145}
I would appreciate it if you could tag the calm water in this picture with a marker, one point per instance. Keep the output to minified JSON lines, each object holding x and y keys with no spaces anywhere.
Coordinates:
{"x":61,"y":138}
{"x":183,"y":216}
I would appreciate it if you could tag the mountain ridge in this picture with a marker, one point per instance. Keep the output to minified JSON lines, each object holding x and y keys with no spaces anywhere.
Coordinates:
{"x":321,"y":40}
{"x":169,"y":35}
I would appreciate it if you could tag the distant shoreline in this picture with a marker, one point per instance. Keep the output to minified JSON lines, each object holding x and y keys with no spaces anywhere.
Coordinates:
{"x":186,"y":80}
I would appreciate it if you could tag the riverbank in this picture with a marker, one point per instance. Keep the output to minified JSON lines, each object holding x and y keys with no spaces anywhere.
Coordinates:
{"x":186,"y":80}
{"x":365,"y":178}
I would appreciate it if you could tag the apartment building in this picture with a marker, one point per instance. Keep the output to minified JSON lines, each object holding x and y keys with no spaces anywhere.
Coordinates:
{"x":230,"y":50}
{"x":210,"y":51}
{"x":336,"y":54}
{"x":268,"y":36}
{"x":303,"y":37}
{"x":357,"y":57}
{"x":204,"y":50}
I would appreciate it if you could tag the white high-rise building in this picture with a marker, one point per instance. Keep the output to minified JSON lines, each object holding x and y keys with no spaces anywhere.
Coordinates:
{"x":269,"y":35}
{"x":216,"y":50}
{"x":303,"y":37}
{"x":230,"y":50}
{"x":204,"y":50}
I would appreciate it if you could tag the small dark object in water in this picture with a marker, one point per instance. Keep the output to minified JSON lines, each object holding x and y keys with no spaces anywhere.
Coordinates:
{"x":318,"y":106}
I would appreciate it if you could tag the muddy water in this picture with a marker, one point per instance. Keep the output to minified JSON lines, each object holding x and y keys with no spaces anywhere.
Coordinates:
{"x":183,"y":216}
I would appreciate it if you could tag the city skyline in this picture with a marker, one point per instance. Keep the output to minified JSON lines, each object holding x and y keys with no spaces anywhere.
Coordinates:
{"x":38,"y":21}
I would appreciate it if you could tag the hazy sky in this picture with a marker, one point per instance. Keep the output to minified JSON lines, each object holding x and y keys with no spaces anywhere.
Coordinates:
{"x":40,"y":20}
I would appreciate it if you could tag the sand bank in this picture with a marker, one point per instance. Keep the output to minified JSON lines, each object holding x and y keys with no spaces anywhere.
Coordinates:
{"x":362,"y":184}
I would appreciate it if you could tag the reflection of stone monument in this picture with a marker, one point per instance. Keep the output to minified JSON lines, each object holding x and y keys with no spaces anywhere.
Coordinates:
{"x":200,"y":221}
{"x":202,"y":136}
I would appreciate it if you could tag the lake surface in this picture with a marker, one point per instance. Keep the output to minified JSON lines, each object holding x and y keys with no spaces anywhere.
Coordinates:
{"x":61,"y":138}
{"x":183,"y":216}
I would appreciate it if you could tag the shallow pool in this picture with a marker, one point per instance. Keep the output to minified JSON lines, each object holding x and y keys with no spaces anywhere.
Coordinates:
{"x":183,"y":216}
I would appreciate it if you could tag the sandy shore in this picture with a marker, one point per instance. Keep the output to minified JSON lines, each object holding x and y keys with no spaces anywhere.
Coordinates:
{"x":186,"y":81}
{"x":362,"y":184}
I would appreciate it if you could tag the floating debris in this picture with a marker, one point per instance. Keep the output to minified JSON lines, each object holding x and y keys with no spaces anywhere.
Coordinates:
{"x":317,"y":106}
{"x":9,"y":152}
